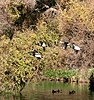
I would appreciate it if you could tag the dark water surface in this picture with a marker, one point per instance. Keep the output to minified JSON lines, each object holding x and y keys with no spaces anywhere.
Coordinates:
{"x":43,"y":91}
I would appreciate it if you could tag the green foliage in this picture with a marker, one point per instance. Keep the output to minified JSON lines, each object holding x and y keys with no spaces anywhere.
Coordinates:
{"x":59,"y":73}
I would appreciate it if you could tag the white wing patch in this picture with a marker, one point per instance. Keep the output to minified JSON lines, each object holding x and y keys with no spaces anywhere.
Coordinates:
{"x":76,"y":47}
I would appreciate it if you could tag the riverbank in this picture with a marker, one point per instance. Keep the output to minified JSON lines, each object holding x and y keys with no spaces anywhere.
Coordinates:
{"x":68,"y":75}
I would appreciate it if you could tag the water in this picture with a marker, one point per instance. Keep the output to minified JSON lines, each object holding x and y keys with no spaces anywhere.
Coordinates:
{"x":43,"y":91}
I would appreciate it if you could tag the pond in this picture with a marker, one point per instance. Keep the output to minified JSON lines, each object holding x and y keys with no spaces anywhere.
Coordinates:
{"x":43,"y":91}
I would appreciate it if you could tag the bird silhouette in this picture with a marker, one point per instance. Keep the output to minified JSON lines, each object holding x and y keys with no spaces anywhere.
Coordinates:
{"x":72,"y":92}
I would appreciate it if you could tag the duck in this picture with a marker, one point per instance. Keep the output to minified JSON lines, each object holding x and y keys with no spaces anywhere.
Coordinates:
{"x":72,"y":92}
{"x":43,"y":44}
{"x":56,"y":91}
{"x":75,"y":47}
{"x":36,"y":54}
{"x":65,"y":44}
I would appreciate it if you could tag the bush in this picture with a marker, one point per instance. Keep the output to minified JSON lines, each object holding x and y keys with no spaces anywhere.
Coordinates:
{"x":19,"y":65}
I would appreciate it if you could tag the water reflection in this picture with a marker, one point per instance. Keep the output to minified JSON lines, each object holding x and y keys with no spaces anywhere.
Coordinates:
{"x":43,"y":91}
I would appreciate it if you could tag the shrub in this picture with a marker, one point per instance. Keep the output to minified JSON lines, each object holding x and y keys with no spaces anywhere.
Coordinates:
{"x":19,"y":65}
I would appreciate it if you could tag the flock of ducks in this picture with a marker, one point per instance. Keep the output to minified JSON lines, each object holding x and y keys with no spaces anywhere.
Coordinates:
{"x":72,"y":45}
{"x":37,"y":54}
{"x":60,"y":91}
{"x":65,"y":45}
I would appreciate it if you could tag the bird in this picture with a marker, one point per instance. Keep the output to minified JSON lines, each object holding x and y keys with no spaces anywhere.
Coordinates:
{"x":65,"y":44}
{"x":36,"y":54}
{"x":43,"y":44}
{"x":75,"y":47}
{"x":72,"y":92}
{"x":56,"y":91}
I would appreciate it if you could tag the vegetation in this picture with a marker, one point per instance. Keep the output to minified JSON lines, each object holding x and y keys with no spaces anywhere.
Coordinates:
{"x":19,"y":65}
{"x":23,"y":28}
{"x":59,"y":73}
